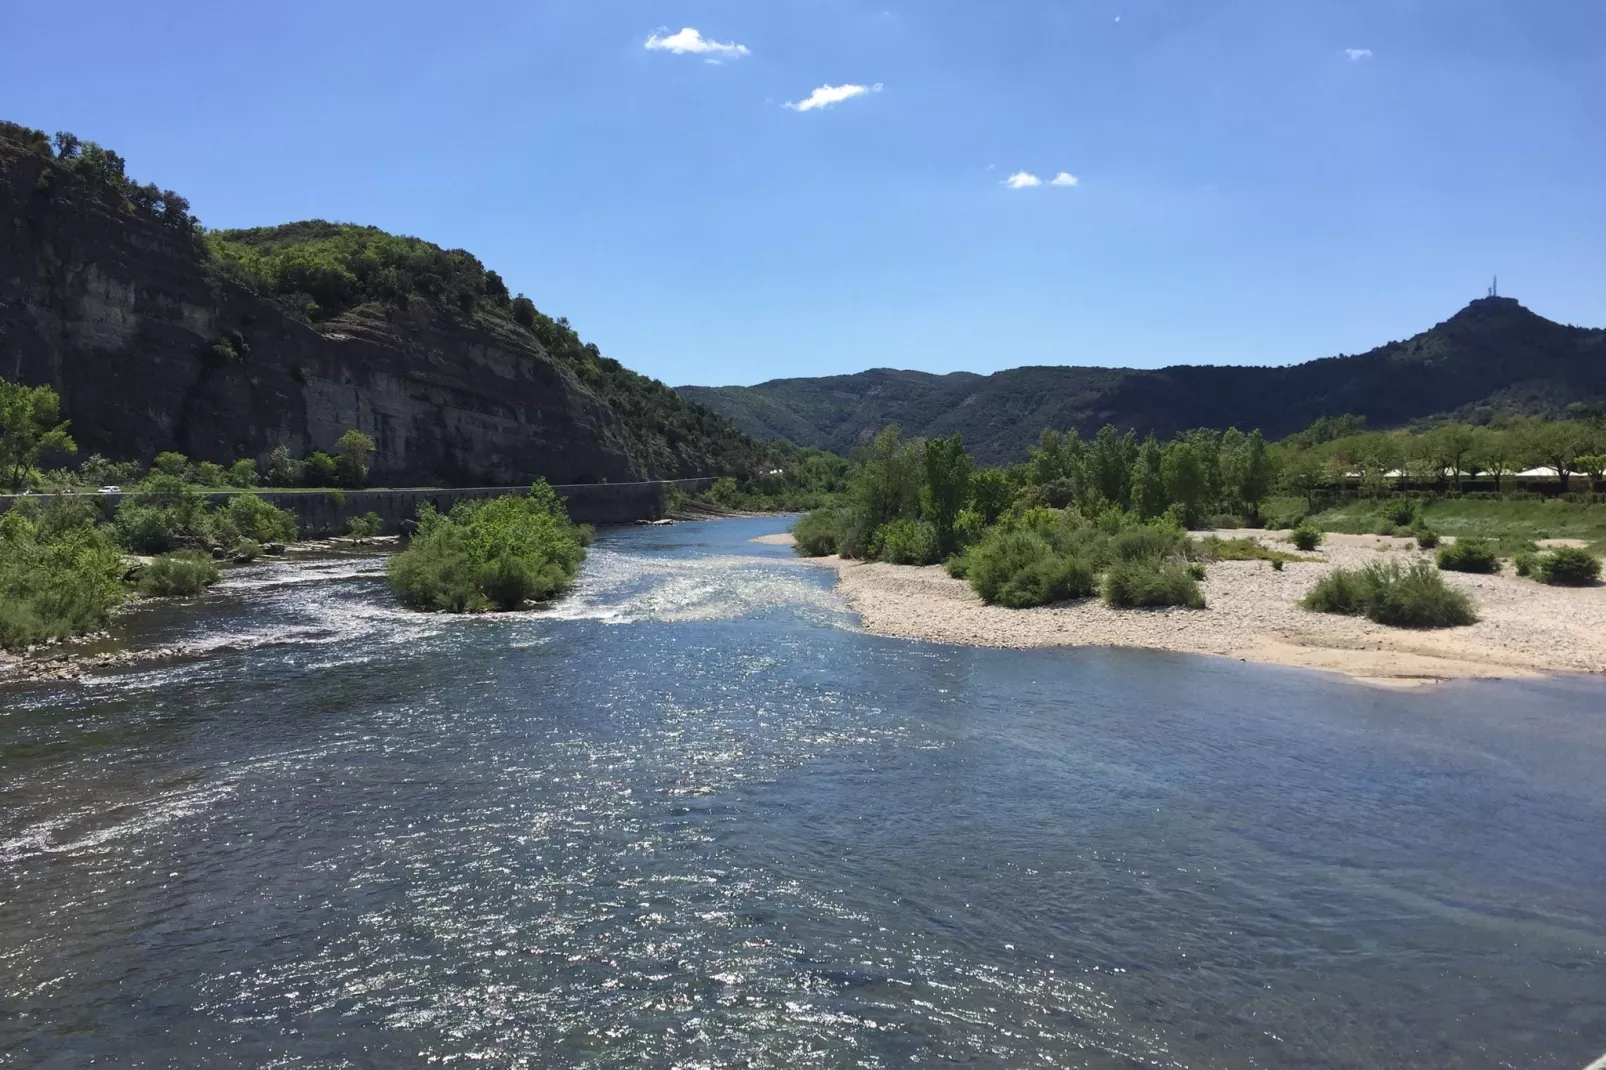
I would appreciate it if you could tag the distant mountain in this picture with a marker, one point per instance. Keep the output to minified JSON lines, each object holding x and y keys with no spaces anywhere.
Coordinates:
{"x":1494,"y":355}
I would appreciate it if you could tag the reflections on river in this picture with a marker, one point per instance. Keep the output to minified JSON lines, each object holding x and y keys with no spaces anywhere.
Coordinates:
{"x":693,"y":817}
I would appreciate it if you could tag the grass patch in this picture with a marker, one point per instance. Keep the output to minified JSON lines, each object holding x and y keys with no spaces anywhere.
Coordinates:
{"x":1509,"y":523}
{"x":1212,"y":548}
{"x":1392,"y":594}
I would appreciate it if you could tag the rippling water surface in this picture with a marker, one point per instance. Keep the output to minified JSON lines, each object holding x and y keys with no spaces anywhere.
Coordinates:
{"x":693,"y":818}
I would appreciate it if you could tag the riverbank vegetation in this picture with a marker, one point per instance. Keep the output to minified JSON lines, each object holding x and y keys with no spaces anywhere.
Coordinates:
{"x":1111,"y":514}
{"x":60,"y":574}
{"x":496,"y":554}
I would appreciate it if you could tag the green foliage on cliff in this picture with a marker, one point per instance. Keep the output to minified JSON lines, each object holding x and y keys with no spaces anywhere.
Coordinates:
{"x":60,"y":574}
{"x":496,"y":554}
{"x":102,"y":171}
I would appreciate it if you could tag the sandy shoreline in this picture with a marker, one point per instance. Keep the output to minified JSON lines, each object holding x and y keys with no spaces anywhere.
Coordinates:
{"x":1525,"y":629}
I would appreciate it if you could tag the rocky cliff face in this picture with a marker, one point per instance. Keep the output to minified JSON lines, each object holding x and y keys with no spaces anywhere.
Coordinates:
{"x":152,"y":348}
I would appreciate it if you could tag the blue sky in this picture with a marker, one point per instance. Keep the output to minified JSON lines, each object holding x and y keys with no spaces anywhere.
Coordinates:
{"x":1257,"y":181}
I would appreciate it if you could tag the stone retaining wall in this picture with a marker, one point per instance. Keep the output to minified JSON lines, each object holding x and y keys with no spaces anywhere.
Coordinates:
{"x":323,"y":513}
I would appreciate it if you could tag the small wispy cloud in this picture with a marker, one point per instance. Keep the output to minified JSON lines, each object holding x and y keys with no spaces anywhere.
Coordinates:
{"x":691,"y":42}
{"x":1357,"y":54}
{"x":827,"y":95}
{"x":1027,"y":180}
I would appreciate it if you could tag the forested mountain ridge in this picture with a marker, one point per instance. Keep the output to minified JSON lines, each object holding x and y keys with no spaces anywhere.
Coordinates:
{"x":1493,"y":356}
{"x":161,"y":336}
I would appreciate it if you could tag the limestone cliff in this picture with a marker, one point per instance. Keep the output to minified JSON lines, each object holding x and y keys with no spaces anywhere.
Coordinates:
{"x":152,"y":347}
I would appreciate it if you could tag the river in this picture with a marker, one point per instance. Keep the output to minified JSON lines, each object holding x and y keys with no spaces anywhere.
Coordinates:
{"x":692,"y":817}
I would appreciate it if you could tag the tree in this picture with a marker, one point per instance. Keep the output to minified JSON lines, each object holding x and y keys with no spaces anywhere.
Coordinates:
{"x":1304,"y":473}
{"x":1054,"y":457}
{"x":1556,"y":443}
{"x":283,"y":470}
{"x":886,"y":487}
{"x":523,"y":311}
{"x":30,"y":423}
{"x":947,"y":488}
{"x":1452,"y":444}
{"x":990,"y":493}
{"x":1148,"y":480}
{"x":172,"y":463}
{"x":1246,"y":471}
{"x":351,"y":457}
{"x":319,"y":469}
{"x":1494,"y":452}
{"x":243,"y":473}
{"x":1108,"y":462}
{"x":1185,"y":482}
{"x":66,"y":144}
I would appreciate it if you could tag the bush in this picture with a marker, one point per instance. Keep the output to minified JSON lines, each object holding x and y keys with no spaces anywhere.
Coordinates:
{"x":818,"y":534}
{"x":1426,"y":538}
{"x":208,"y":474}
{"x":184,"y":572}
{"x":243,"y":473}
{"x":1414,"y":597}
{"x":60,"y":574}
{"x":1146,"y":541}
{"x":1468,"y":554}
{"x":495,"y":554}
{"x":1151,"y":582}
{"x":364,"y":527}
{"x":1525,"y":561}
{"x":1306,"y":537}
{"x":1018,"y":568}
{"x":1401,"y":512}
{"x":1567,"y":567}
{"x":907,"y":542}
{"x":247,"y":550}
{"x":319,"y":470}
{"x":249,"y":517}
{"x":1196,"y":570}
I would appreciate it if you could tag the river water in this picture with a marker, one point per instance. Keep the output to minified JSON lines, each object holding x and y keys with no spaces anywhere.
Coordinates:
{"x":694,"y":818}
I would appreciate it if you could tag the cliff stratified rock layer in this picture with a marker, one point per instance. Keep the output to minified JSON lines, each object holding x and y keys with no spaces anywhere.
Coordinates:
{"x":152,"y":347}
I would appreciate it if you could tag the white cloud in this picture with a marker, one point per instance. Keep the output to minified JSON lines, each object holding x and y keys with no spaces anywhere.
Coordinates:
{"x":1065,"y":178}
{"x":827,"y":95}
{"x":1022,"y":180}
{"x":691,"y":41}
{"x":1357,"y":54}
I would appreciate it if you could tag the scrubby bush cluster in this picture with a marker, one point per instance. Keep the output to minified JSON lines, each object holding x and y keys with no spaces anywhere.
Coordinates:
{"x":1567,"y":567}
{"x":163,"y":514}
{"x":60,"y":573}
{"x":182,"y":572}
{"x":496,"y":554}
{"x":1414,"y":596}
{"x":1469,"y":554}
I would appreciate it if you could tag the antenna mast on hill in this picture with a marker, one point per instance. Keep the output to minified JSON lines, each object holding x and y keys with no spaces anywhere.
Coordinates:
{"x":1494,"y":287}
